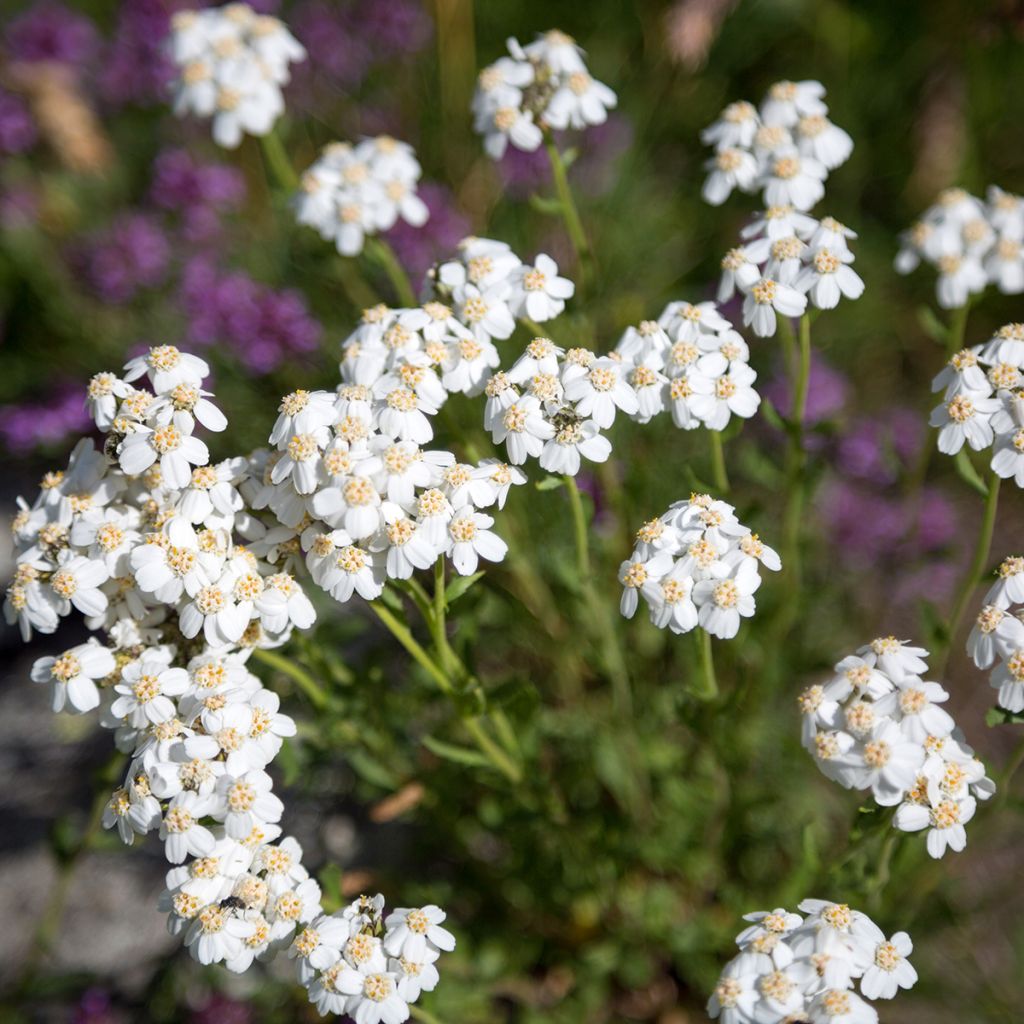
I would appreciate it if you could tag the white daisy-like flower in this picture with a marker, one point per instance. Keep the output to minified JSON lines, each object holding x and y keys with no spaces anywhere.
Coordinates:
{"x":72,"y":676}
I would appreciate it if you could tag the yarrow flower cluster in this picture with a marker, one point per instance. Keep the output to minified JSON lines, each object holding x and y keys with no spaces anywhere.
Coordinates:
{"x":785,"y":148}
{"x":541,"y":86}
{"x":166,"y":556}
{"x":691,"y":362}
{"x":231,"y":64}
{"x":793,"y":969}
{"x":983,"y":401}
{"x":970,"y":242}
{"x":696,"y":565}
{"x":351,"y":192}
{"x":878,"y":725}
{"x":998,"y":635}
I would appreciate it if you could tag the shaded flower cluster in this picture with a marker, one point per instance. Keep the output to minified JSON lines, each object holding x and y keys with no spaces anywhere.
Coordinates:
{"x":538,"y":87}
{"x":971,"y":243}
{"x":696,"y":565}
{"x":792,"y":968}
{"x":878,"y":725}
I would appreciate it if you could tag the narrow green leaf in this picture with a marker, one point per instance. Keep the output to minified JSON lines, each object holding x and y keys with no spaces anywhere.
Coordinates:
{"x":549,"y":483}
{"x":548,"y":206}
{"x":966,"y":471}
{"x":452,"y":752}
{"x":1000,"y":716}
{"x":460,"y":585}
{"x":932,"y":325}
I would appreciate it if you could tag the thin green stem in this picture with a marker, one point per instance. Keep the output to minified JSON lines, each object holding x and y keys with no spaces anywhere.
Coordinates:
{"x":1012,"y":766}
{"x":439,"y":624}
{"x":305,"y":682}
{"x":581,"y":533}
{"x":718,"y":473}
{"x":401,"y":632}
{"x":803,"y":376}
{"x":277,"y":161}
{"x":418,"y":1013}
{"x":972,"y":576}
{"x":380,"y":252}
{"x":706,"y":685}
{"x":957,"y":327}
{"x":571,"y":216}
{"x":497,"y":756}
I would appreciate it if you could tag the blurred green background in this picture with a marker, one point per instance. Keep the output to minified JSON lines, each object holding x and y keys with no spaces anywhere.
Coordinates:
{"x":609,"y":884}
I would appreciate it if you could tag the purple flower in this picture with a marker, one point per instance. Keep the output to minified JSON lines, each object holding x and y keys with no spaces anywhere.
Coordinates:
{"x":862,"y":524}
{"x":524,"y":174}
{"x":136,"y":68}
{"x":595,"y":172}
{"x":877,"y":449}
{"x":420,"y":248}
{"x":937,"y":521}
{"x":130,"y":255}
{"x":50,"y":31}
{"x":200,"y":193}
{"x":33,"y":424}
{"x":393,"y":27}
{"x":17,"y":129}
{"x":219,"y":1009}
{"x":826,"y":392}
{"x":335,"y":48}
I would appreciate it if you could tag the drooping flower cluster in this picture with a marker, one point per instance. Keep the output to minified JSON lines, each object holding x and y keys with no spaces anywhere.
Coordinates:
{"x":354,"y":191}
{"x":983,"y":401}
{"x":543,"y":85}
{"x":231,"y":64}
{"x":370,"y":966}
{"x":697,"y":565}
{"x":878,"y":725}
{"x":168,"y":560}
{"x":970,"y":242}
{"x":792,"y":968}
{"x":998,"y":635}
{"x":784,"y":149}
{"x":691,"y":362}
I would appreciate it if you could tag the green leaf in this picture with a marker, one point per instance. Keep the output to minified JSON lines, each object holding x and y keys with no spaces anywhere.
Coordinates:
{"x":549,"y":483}
{"x":459,"y":586}
{"x":1000,"y":716}
{"x":550,"y":207}
{"x":932,"y":325}
{"x":452,"y":752}
{"x":966,"y":471}
{"x":771,"y":414}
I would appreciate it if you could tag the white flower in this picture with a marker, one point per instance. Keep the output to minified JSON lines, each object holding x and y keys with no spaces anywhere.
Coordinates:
{"x":787,"y":102}
{"x":599,"y":390}
{"x":794,"y":180}
{"x":523,"y":429}
{"x":965,"y":418}
{"x":729,"y":169}
{"x":73,"y":674}
{"x":764,"y":298}
{"x":247,"y":800}
{"x":722,"y":603}
{"x":167,"y":367}
{"x":638,"y":572}
{"x":540,"y":293}
{"x":470,"y":539}
{"x":180,"y":830}
{"x":829,"y":276}
{"x":413,"y":931}
{"x":176,"y":452}
{"x":573,"y":439}
{"x":145,"y":692}
{"x":944,"y":818}
{"x":889,"y":970}
{"x":75,"y":584}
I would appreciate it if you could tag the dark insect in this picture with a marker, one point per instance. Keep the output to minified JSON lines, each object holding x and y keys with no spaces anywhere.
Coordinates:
{"x":233,"y":903}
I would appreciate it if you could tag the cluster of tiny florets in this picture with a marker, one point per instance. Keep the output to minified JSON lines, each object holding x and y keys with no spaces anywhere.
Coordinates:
{"x":878,"y":725}
{"x":691,"y":362}
{"x":351,"y":192}
{"x":543,"y":85}
{"x":231,"y":64}
{"x":697,"y":565}
{"x":983,"y":401}
{"x":970,"y":242}
{"x":997,"y":637}
{"x":806,"y":970}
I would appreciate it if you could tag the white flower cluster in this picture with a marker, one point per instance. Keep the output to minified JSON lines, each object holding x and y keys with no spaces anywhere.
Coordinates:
{"x":983,"y":401}
{"x":785,"y":149}
{"x":164,"y":554}
{"x":998,"y":635}
{"x":970,"y":242}
{"x":785,"y":259}
{"x":794,"y":969}
{"x":354,"y":191}
{"x":691,"y":362}
{"x":877,"y":725}
{"x":359,"y":963}
{"x":231,"y":64}
{"x":697,"y":565}
{"x":544,"y":85}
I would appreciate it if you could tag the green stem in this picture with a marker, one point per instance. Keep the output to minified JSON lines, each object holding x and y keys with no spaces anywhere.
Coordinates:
{"x":706,"y":687}
{"x":439,"y":624}
{"x":570,"y":214}
{"x":957,"y":327}
{"x":380,"y":252}
{"x":277,"y":161}
{"x":804,"y":375}
{"x":497,"y":756}
{"x":974,"y":571}
{"x":305,"y":682}
{"x":582,"y":534}
{"x":718,"y":473}
{"x":401,"y":632}
{"x":418,"y":1013}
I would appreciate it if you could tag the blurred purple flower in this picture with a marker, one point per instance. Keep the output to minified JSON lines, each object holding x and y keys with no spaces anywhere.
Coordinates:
{"x":861,"y":524}
{"x":936,"y":520}
{"x":420,"y":248}
{"x":934,"y":582}
{"x":334,"y":44}
{"x":136,"y":68}
{"x":877,"y":449}
{"x":132,"y":254}
{"x":32,"y":424}
{"x":50,"y":31}
{"x":394,"y":27}
{"x":524,"y":174}
{"x":263,"y":326}
{"x":595,"y":171}
{"x":19,"y":208}
{"x":198,"y":192}
{"x":220,"y":1009}
{"x":827,"y":390}
{"x":17,"y":129}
